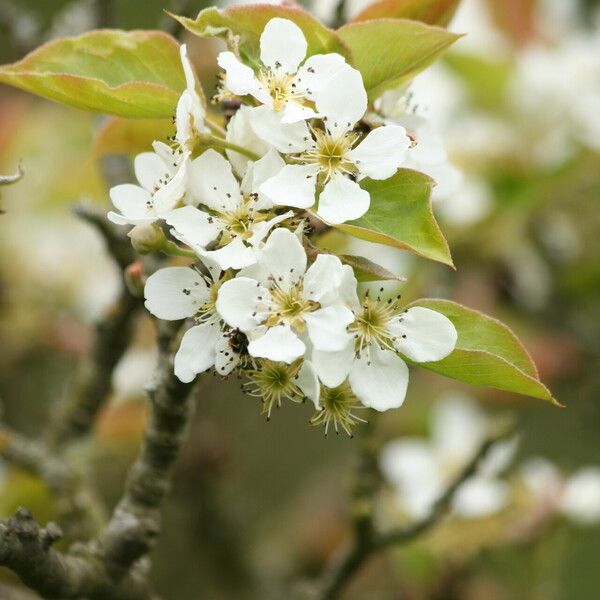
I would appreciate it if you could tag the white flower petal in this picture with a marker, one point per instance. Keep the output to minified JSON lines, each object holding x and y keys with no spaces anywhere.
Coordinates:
{"x":479,"y":497}
{"x":226,"y":359}
{"x":581,"y":496}
{"x":411,"y":466}
{"x":278,"y":343}
{"x":240,"y":132}
{"x":134,"y":203}
{"x":379,"y":379}
{"x":323,"y":279}
{"x":197,"y":352}
{"x":542,"y":478}
{"x":316,"y":71}
{"x":193,"y":226}
{"x":235,"y":255}
{"x":149,"y":168}
{"x":283,"y":257}
{"x":282,"y":45}
{"x":239,"y":78}
{"x":260,"y":171}
{"x":308,"y":382}
{"x":175,"y":293}
{"x":327,"y":327}
{"x":382,"y":152}
{"x":170,"y":194}
{"x":342,"y":100}
{"x":294,"y":112}
{"x":262,"y":229}
{"x":212,"y":182}
{"x":294,"y":186}
{"x":333,"y":367}
{"x":458,"y":427}
{"x":342,"y":200}
{"x":288,"y":138}
{"x":424,"y":335}
{"x":429,"y":148}
{"x":348,"y":289}
{"x":241,"y":303}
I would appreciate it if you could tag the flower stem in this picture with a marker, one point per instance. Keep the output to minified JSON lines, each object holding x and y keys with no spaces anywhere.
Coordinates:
{"x":224,"y":144}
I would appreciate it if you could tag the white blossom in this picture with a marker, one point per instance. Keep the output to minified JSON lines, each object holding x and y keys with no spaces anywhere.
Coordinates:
{"x":238,"y":220}
{"x":576,"y":497}
{"x":281,"y":84}
{"x":176,"y":293}
{"x":335,"y":157}
{"x":420,"y":469}
{"x":280,"y":303}
{"x":380,"y":332}
{"x":162,"y":177}
{"x":190,"y":115}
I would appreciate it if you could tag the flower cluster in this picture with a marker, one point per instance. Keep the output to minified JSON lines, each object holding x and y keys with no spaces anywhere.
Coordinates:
{"x":243,"y":200}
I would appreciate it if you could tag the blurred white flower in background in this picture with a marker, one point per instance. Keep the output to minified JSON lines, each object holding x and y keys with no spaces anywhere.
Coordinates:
{"x":420,"y":469}
{"x":576,"y":497}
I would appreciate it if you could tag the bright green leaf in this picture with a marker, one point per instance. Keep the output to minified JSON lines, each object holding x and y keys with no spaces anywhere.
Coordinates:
{"x":242,"y":27}
{"x":130,"y":136}
{"x":129,"y":74}
{"x":432,"y":12}
{"x":400,"y":215}
{"x":487,"y":353}
{"x":389,"y":52}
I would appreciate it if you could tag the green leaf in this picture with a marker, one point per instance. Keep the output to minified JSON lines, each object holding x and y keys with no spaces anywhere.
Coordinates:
{"x":389,"y":52}
{"x":242,"y":27}
{"x":130,"y":136}
{"x":400,"y":215}
{"x":129,"y":74}
{"x":367,"y":270}
{"x":432,"y":12}
{"x":487,"y":353}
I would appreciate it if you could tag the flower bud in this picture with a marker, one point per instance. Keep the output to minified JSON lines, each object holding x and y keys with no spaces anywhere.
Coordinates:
{"x":146,"y":238}
{"x":135,"y":279}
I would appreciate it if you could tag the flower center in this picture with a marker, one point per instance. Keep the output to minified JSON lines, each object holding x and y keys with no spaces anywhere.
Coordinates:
{"x":273,"y":382}
{"x":289,"y":306}
{"x":280,"y":87}
{"x":372,"y":323}
{"x":330,"y":153}
{"x":240,"y":222}
{"x":337,"y":405}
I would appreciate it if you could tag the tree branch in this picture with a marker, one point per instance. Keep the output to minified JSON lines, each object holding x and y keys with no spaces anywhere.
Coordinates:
{"x":368,"y":541}
{"x":135,"y":524}
{"x":113,"y":566}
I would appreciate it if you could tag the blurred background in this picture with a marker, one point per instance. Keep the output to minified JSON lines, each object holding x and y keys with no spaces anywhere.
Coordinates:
{"x":517,"y":105}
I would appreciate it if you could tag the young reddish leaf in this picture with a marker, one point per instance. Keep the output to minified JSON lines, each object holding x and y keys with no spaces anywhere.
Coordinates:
{"x":432,"y":12}
{"x":242,"y":27}
{"x":124,"y":73}
{"x":400,"y":215}
{"x":487,"y":353}
{"x":389,"y":52}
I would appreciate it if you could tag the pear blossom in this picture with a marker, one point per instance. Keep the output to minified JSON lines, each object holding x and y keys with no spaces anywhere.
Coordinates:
{"x":162,"y":177}
{"x":427,"y":153}
{"x":175,"y":293}
{"x":190,"y":114}
{"x":238,"y":219}
{"x":380,"y":332}
{"x":279,"y":303}
{"x":281,"y":84}
{"x":239,"y":131}
{"x":420,"y":469}
{"x":334,"y":157}
{"x":576,"y":497}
